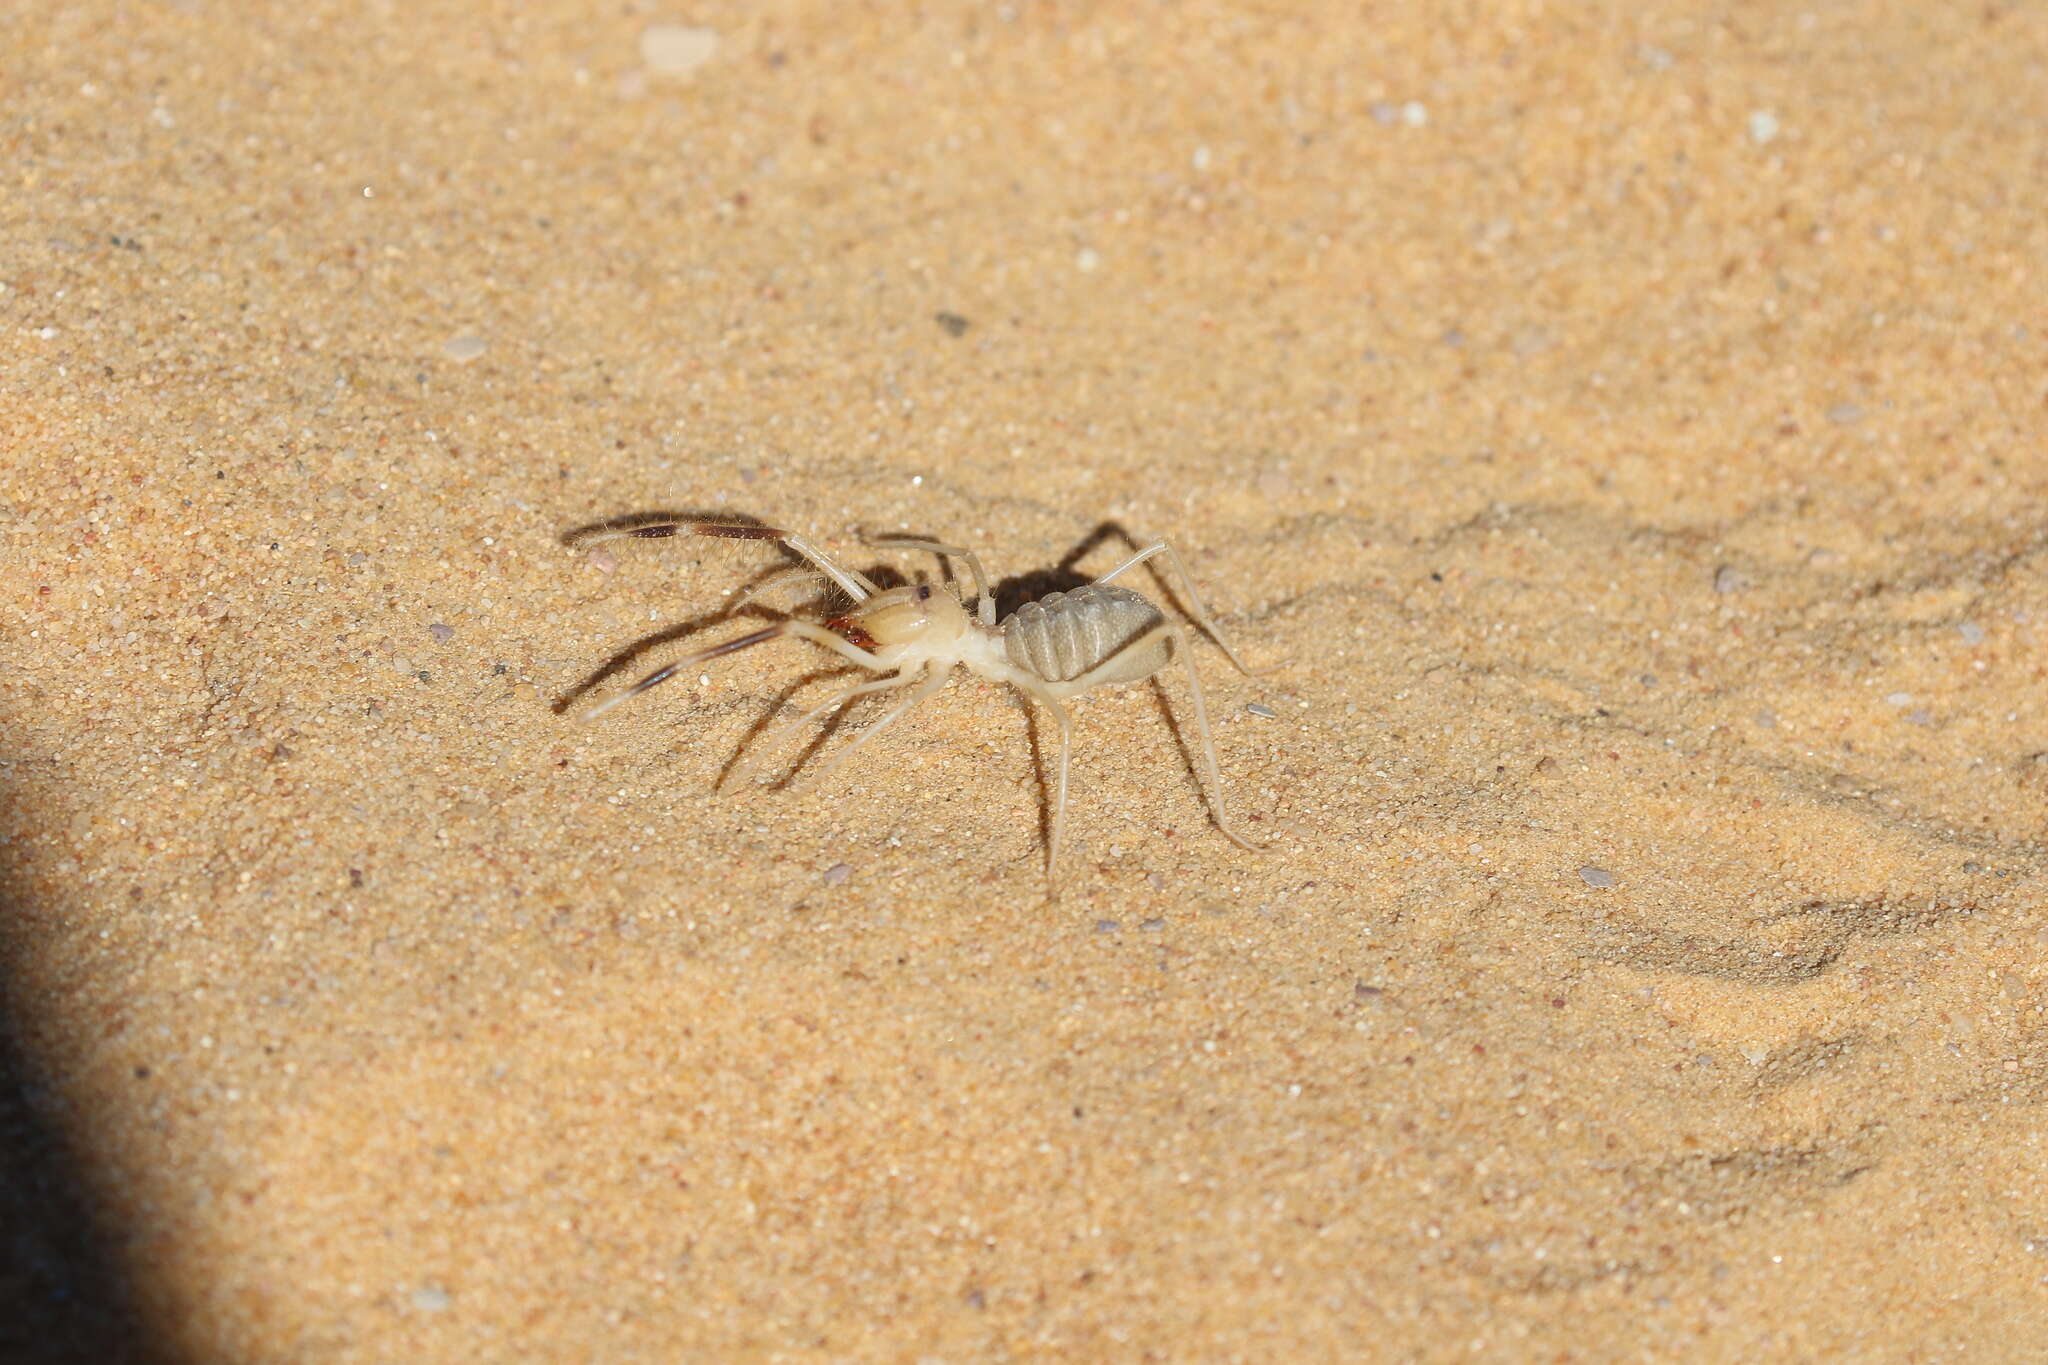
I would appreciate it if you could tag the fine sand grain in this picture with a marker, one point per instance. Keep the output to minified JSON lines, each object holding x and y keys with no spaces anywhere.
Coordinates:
{"x":1623,"y":424}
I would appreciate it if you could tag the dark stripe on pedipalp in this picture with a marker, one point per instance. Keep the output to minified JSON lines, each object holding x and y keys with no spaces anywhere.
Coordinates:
{"x":654,"y":679}
{"x":734,"y":646}
{"x":738,"y":532}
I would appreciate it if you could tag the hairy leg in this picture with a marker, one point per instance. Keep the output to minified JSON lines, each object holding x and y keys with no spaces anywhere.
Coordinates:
{"x":987,"y":608}
{"x":767,"y":744}
{"x":1211,"y":774}
{"x":935,"y":681}
{"x":1196,"y":608}
{"x":802,"y":630}
{"x":856,"y":584}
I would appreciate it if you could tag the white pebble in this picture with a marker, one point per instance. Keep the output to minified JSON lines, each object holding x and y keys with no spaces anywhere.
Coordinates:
{"x":1763,"y":127}
{"x":1262,"y":710}
{"x":1598,"y":877}
{"x":837,"y":874}
{"x":464,"y":349}
{"x":676,"y":49}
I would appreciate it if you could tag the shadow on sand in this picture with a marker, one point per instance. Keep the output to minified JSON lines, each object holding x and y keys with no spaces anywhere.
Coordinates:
{"x":65,"y":1298}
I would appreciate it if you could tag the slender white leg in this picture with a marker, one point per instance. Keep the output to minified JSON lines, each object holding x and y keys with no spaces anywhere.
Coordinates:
{"x":1212,"y":785}
{"x":1041,"y":694}
{"x":1195,"y":607}
{"x":767,"y":745}
{"x":932,"y":684}
{"x":802,"y":630}
{"x":856,"y":584}
{"x":793,"y":573}
{"x":987,"y":608}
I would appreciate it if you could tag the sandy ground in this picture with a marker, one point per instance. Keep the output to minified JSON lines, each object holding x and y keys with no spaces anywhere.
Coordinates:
{"x":1622,"y":424}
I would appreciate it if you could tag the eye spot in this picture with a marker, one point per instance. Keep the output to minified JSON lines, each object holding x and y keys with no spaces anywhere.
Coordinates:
{"x":924,"y":592}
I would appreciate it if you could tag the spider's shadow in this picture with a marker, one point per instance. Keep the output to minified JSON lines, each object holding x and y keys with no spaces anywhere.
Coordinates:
{"x":764,"y":721}
{"x":1010,"y":593}
{"x":1017,"y":589}
{"x":1048,"y":773}
{"x":815,"y":604}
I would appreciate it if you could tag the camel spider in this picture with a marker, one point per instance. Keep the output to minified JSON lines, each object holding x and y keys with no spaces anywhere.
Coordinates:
{"x":1056,"y":647}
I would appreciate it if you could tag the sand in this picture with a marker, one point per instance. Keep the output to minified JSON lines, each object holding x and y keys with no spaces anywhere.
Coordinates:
{"x":1622,"y":426}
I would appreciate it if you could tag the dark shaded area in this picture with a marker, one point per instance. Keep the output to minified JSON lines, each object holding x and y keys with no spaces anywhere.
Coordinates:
{"x":64,"y":1295}
{"x":1014,"y":591}
{"x":624,"y":658}
{"x":1010,"y":593}
{"x":633,"y":525}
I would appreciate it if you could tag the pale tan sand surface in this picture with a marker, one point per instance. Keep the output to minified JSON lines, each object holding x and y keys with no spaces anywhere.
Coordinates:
{"x":1623,"y":424}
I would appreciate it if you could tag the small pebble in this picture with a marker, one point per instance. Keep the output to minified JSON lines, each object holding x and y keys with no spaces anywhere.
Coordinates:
{"x":953,"y":324}
{"x":1262,"y":711}
{"x":1756,"y":1054}
{"x":1728,"y":579}
{"x":1598,"y":877}
{"x":837,"y":874}
{"x":1972,"y":633}
{"x":1766,"y":720}
{"x":601,"y":560}
{"x":1763,"y":127}
{"x":1898,"y":699}
{"x":1152,"y":926}
{"x":1106,"y":926}
{"x":1920,"y":715}
{"x":676,"y":49}
{"x":1842,"y":414}
{"x":442,"y":633}
{"x":464,"y":349}
{"x":430,"y":1299}
{"x":1088,"y":260}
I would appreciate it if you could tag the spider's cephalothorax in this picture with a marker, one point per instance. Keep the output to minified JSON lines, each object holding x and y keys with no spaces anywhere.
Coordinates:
{"x":902,"y":616}
{"x":1063,"y":644}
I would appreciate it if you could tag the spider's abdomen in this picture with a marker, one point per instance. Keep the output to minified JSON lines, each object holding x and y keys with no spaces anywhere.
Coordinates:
{"x":1064,"y":634}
